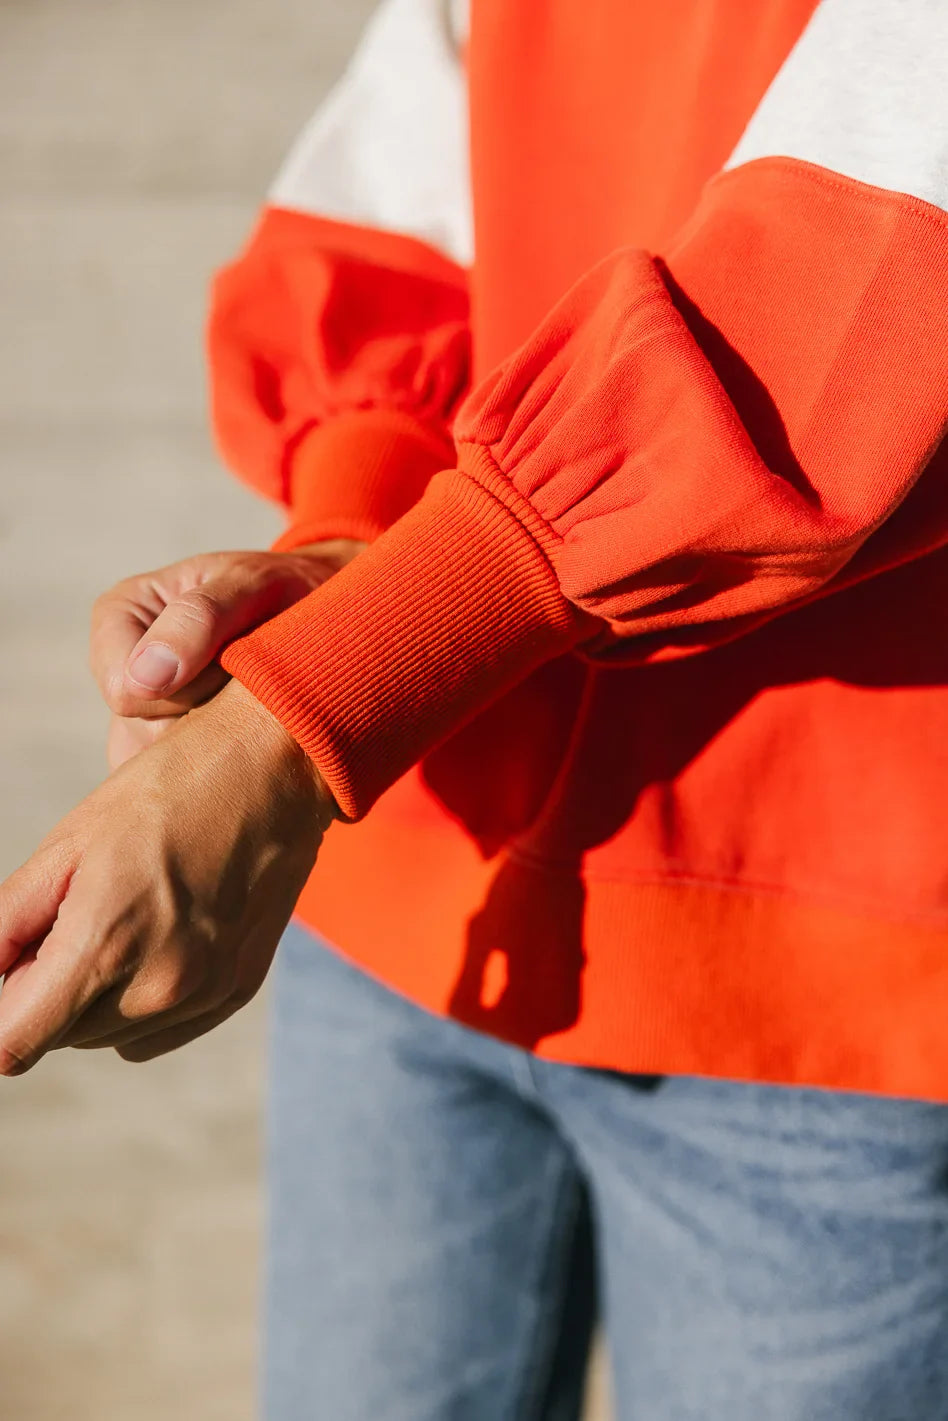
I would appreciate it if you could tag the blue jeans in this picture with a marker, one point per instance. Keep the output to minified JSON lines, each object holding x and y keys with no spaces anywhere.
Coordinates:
{"x":449,"y":1216}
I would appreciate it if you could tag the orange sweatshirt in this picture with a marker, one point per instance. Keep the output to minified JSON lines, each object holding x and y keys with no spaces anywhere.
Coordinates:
{"x":638,"y":700}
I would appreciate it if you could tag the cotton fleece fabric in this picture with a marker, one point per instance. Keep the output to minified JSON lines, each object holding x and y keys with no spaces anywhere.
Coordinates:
{"x":637,"y":703}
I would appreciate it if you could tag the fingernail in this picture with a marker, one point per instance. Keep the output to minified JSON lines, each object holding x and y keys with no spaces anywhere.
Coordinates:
{"x":154,"y":668}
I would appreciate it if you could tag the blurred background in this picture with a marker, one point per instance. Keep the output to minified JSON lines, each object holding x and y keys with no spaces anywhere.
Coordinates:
{"x":136,"y":140}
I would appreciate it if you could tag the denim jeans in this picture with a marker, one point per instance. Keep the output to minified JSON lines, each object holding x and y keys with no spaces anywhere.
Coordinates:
{"x":450,"y":1215}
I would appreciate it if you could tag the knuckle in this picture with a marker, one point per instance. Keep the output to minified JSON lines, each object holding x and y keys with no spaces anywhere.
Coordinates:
{"x":242,"y":564}
{"x":176,"y":984}
{"x":156,"y":1001}
{"x":102,"y":603}
{"x":197,"y":606}
{"x":115,"y":596}
{"x":119,"y":699}
{"x":164,"y":996}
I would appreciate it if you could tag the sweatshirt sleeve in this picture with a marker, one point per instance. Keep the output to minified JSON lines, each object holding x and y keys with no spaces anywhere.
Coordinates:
{"x":339,"y":344}
{"x":692,"y":442}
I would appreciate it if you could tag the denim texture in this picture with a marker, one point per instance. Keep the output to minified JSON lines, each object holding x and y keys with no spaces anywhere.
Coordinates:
{"x":449,"y":1217}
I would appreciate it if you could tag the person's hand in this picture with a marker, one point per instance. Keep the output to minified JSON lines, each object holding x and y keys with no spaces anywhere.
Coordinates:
{"x":155,"y":636}
{"x":152,"y":912}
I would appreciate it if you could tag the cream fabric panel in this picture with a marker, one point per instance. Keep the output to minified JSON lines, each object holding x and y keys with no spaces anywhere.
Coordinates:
{"x":864,"y":92}
{"x":389,"y":147}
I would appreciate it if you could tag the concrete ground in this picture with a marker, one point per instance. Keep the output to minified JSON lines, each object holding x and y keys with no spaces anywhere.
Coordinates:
{"x":135,"y":139}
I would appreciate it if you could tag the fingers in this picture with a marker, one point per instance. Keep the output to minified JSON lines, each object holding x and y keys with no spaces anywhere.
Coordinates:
{"x":157,"y":1036}
{"x":97,"y":1028}
{"x":30,"y":900}
{"x":159,"y":1043}
{"x":184,"y":639}
{"x":19,"y":969}
{"x":134,"y":703}
{"x":120,"y":619}
{"x":79,"y":990}
{"x":55,"y":968}
{"x":123,"y":615}
{"x":170,"y":667}
{"x":154,"y":997}
{"x":39,"y":1002}
{"x":155,"y":637}
{"x":80,"y":987}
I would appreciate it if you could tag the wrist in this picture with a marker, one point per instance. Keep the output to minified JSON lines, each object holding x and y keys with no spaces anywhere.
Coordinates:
{"x":268,"y":748}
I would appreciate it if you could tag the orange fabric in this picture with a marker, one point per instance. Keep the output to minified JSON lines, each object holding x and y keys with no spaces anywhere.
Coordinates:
{"x":692,"y":444}
{"x":590,"y":133}
{"x":355,"y":475}
{"x":317,"y":319}
{"x":441,"y":635}
{"x":732,"y":862}
{"x":608,"y":452}
{"x":659,"y":977}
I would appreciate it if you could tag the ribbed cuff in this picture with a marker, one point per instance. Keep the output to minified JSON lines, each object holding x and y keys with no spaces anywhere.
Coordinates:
{"x":358,"y":473}
{"x":445,"y":612}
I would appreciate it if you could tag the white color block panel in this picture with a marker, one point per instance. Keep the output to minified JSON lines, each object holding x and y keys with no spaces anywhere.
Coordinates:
{"x":389,"y":147}
{"x":865,"y":93}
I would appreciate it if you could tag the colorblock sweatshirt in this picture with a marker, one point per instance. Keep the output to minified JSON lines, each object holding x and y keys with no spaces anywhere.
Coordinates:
{"x":619,"y":331}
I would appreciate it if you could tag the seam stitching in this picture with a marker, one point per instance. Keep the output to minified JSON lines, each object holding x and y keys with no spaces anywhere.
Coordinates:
{"x":839,"y":182}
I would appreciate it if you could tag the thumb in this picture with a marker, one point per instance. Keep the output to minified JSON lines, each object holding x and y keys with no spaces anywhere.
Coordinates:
{"x":187,"y":635}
